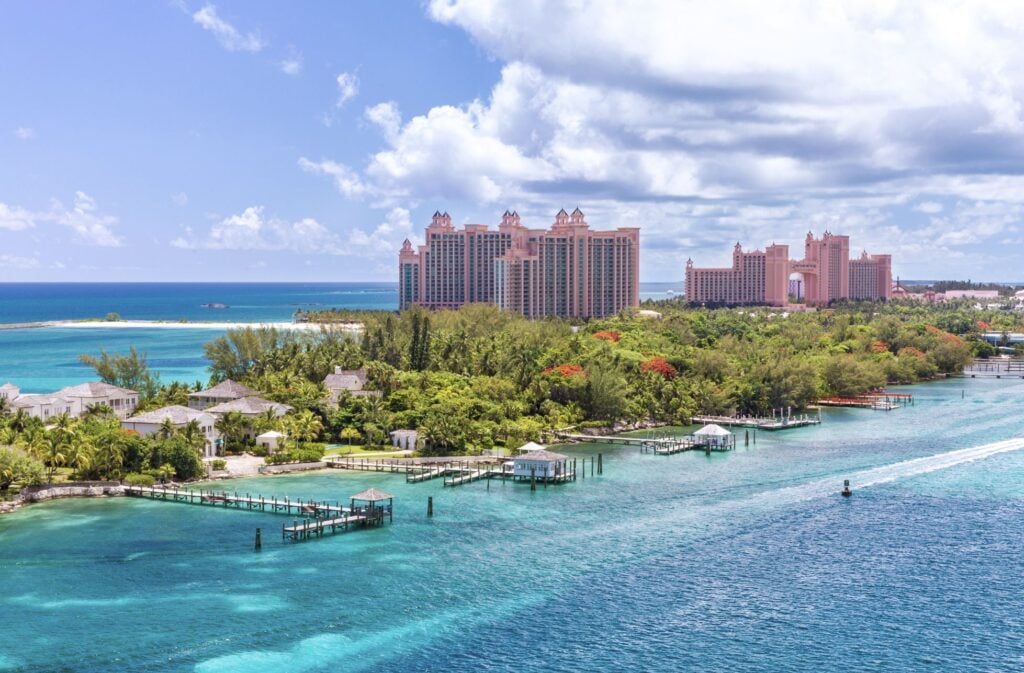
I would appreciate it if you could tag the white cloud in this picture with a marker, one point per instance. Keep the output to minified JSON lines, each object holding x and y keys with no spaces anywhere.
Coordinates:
{"x":292,"y":66}
{"x":348,"y":88}
{"x":252,"y":230}
{"x":14,"y":218}
{"x":88,"y":224}
{"x":930,"y":207}
{"x":386,"y":239}
{"x":18,"y":262}
{"x":345,"y":179}
{"x":25,"y":133}
{"x":229,"y":37}
{"x":180,"y":199}
{"x":83,"y":218}
{"x":386,"y":117}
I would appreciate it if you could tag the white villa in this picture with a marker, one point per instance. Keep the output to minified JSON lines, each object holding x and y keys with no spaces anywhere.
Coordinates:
{"x":149,"y":423}
{"x":249,"y":408}
{"x":73,"y":400}
{"x":121,"y":400}
{"x":225,"y":391}
{"x":350,"y":380}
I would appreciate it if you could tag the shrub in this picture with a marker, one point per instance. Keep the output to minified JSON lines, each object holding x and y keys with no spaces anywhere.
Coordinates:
{"x":218,"y":464}
{"x":659,"y":365}
{"x":113,"y":317}
{"x":136,"y":479}
{"x":565,"y":371}
{"x":608,"y":335}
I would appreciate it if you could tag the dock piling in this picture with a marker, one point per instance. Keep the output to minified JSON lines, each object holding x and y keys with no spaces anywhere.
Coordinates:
{"x":258,"y":544}
{"x":430,"y":505}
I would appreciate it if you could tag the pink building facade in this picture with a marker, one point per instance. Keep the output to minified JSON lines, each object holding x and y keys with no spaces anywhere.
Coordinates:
{"x":567,"y":270}
{"x":763,"y":278}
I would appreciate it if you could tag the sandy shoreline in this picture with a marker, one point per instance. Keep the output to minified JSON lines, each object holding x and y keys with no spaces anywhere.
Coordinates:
{"x":175,"y":324}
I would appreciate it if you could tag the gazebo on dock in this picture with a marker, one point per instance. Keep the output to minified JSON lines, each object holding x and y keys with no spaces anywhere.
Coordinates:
{"x":714,"y":437}
{"x":368,"y":505}
{"x":542,"y":465}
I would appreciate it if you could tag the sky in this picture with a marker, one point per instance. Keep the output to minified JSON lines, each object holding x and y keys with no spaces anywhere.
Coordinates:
{"x":177,"y":140}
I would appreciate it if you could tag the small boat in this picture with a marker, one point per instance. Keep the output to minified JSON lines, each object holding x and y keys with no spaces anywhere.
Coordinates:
{"x":214,"y":306}
{"x":846,"y":492}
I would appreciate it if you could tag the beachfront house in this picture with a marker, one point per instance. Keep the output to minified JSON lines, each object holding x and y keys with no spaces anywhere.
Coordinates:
{"x":404,"y":439}
{"x":72,"y":400}
{"x":149,"y":423}
{"x":121,"y":400}
{"x":225,"y":391}
{"x":351,"y":381}
{"x":9,"y":391}
{"x":249,"y":407}
{"x":715,"y":437}
{"x":44,"y":406}
{"x":540,"y":464}
{"x":270,"y":440}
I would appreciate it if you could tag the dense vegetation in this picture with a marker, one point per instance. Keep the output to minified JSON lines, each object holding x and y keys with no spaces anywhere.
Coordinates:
{"x":92,"y":447}
{"x":475,"y":378}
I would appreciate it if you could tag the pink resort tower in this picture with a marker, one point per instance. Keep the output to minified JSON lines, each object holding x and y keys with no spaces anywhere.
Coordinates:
{"x":567,"y":270}
{"x":762,"y":278}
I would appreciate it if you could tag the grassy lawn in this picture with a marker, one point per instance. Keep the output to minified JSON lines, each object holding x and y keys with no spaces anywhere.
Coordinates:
{"x":358,"y":451}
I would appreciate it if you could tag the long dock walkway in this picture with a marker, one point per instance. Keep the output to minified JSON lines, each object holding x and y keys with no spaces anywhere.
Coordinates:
{"x":760,"y":423}
{"x":995,"y":367}
{"x":284,"y":506}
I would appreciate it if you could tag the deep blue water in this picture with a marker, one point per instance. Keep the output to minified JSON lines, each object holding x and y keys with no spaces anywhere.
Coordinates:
{"x":747,"y":561}
{"x":43,"y":360}
{"x":248,"y":302}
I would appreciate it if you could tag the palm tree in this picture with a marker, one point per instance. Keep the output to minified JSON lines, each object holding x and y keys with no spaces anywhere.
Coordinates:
{"x":110,"y":458}
{"x":97,"y":410}
{"x":166,"y":429}
{"x":266,"y":420}
{"x":20,"y":420}
{"x":166,"y":472}
{"x":307,"y":426}
{"x":81,"y":454}
{"x":63,"y":427}
{"x":192,"y":433}
{"x":231,"y":426}
{"x":54,"y":455}
{"x":5,"y":406}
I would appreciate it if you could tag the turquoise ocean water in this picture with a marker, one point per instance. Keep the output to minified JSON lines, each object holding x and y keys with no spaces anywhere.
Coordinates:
{"x":747,"y":561}
{"x":42,"y":360}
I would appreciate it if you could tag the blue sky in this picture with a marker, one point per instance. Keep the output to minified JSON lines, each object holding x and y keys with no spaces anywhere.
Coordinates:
{"x":273,"y":141}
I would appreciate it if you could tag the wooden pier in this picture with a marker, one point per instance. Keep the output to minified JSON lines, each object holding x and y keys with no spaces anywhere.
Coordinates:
{"x":1000,"y":368}
{"x":771,"y":423}
{"x":365,"y":509}
{"x":600,"y":439}
{"x":272,"y":505}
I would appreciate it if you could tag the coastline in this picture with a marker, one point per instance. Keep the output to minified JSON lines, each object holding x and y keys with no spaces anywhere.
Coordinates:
{"x":176,"y":324}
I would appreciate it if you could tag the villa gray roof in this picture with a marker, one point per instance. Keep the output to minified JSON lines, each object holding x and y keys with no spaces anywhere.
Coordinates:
{"x":543,"y":455}
{"x":226,"y":390}
{"x":94,"y":389}
{"x":8,"y":386}
{"x":346,"y":379}
{"x":250,"y":406}
{"x":33,"y":399}
{"x":178,"y":414}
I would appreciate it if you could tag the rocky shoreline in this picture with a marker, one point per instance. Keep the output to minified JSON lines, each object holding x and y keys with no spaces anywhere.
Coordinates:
{"x":80,"y":489}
